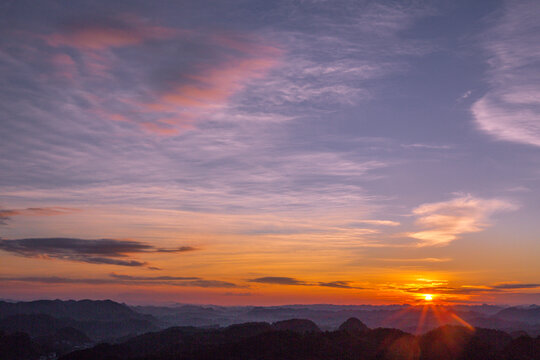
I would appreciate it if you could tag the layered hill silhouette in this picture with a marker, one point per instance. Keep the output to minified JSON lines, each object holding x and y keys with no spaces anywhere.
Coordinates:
{"x":330,"y":317}
{"x":264,"y":341}
{"x":108,"y":330}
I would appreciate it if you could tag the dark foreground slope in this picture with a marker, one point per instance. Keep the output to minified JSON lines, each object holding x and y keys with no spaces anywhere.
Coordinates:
{"x":267,"y":342}
{"x":29,"y":330}
{"x":99,"y":320}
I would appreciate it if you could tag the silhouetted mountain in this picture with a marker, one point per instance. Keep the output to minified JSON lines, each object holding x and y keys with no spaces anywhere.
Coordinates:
{"x":300,"y":326}
{"x":265,"y":342}
{"x":353,"y":325}
{"x":99,"y":320}
{"x":519,"y":333}
{"x":102,"y":310}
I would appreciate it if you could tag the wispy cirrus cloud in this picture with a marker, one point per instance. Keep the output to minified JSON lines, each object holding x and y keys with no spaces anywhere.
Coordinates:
{"x":157,"y":86}
{"x":220,"y":93}
{"x":446,"y":221}
{"x":331,"y":64}
{"x":510,"y":110}
{"x":101,"y":251}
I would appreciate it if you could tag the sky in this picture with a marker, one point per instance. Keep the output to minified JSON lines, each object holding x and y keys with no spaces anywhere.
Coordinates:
{"x":270,"y":152}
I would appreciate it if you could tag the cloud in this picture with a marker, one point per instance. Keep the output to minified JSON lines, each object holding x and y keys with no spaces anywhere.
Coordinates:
{"x":377,"y":222}
{"x":465,"y":95}
{"x":446,"y":221}
{"x":176,"y":250}
{"x":59,"y":280}
{"x":415,"y":260}
{"x":238,"y":103}
{"x":427,"y":146}
{"x":128,"y":280}
{"x":509,"y":286}
{"x":151,"y":278}
{"x":339,"y":285}
{"x":219,"y":93}
{"x":510,"y":110}
{"x":6,"y":214}
{"x":330,"y":63}
{"x":101,"y":251}
{"x":165,"y":96}
{"x":277,"y":280}
{"x":444,"y":288}
{"x":101,"y":34}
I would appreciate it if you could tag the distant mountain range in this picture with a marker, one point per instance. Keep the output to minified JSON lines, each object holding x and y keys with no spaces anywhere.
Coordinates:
{"x":329,"y":317}
{"x":107,"y":329}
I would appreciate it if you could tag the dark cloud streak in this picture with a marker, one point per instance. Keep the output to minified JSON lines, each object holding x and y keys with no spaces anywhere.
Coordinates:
{"x":7,"y":214}
{"x":128,"y":280}
{"x":278,"y":280}
{"x":100,"y":251}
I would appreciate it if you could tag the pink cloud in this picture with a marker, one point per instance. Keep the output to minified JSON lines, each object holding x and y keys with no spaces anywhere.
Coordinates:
{"x":159,"y":129}
{"x":188,"y":98}
{"x":65,"y":65}
{"x":96,"y":37}
{"x":209,"y":90}
{"x":214,"y":86}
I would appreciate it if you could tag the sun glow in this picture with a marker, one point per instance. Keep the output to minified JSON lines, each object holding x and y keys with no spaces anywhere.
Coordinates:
{"x":428,"y":297}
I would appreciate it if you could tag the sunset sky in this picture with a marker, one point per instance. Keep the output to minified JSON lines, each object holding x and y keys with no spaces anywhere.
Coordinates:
{"x":270,"y":152}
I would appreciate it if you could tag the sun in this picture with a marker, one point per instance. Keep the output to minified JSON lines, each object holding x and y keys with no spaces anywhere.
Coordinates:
{"x":428,"y":297}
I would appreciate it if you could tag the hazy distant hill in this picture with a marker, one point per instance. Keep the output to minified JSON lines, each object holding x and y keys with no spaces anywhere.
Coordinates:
{"x":529,"y":314}
{"x":329,"y":317}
